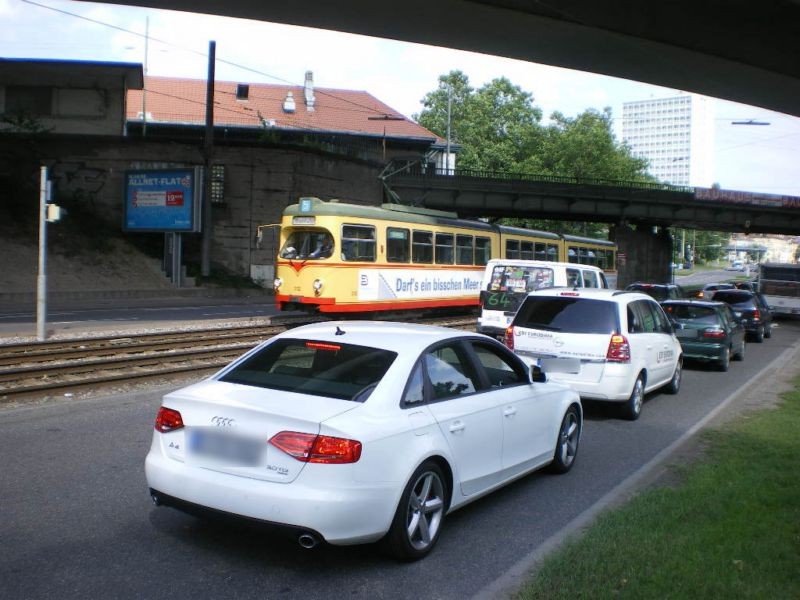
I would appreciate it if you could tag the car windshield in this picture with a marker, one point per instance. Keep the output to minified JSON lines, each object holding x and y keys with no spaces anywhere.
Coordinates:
{"x":343,"y":371}
{"x":735,"y":299}
{"x":305,"y":245}
{"x":569,"y":315}
{"x":687,"y":314}
{"x":509,"y":278}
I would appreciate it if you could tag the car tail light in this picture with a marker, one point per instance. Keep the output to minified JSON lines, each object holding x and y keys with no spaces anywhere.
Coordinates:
{"x":509,"y":339}
{"x":713,"y":333}
{"x":756,"y":315}
{"x":618,"y":349}
{"x":308,"y":447}
{"x":168,"y":420}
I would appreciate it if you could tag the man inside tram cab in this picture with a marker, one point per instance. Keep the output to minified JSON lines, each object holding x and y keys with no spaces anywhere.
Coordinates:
{"x":323,"y":250}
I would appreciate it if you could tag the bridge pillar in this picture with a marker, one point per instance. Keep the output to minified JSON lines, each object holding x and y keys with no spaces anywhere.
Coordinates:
{"x":642,"y":255}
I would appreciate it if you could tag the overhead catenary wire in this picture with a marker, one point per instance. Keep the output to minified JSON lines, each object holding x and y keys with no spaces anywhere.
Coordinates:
{"x":199,"y":53}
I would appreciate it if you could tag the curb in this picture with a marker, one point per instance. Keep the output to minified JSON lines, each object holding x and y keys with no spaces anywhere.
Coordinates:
{"x":509,"y":582}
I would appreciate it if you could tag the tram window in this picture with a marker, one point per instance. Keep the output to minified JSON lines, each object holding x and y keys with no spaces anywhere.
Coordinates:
{"x":308,"y":244}
{"x":483,"y":250}
{"x":552,"y":253}
{"x":397,"y":249}
{"x":540,"y":251}
{"x":444,"y":248}
{"x":358,"y":243}
{"x":572,"y":254}
{"x":526,"y":250}
{"x":512,"y":248}
{"x":422,"y":247}
{"x":591,"y":257}
{"x":464,"y":250}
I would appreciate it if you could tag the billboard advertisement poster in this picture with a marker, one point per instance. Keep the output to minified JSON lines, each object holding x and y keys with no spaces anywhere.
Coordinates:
{"x":163,"y":200}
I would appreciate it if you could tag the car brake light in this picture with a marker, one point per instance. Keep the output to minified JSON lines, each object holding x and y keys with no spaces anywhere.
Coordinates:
{"x":618,"y":349}
{"x":713,"y":333}
{"x":509,"y":339}
{"x":168,"y":420}
{"x":756,"y":315}
{"x":569,"y":294}
{"x":308,"y":447}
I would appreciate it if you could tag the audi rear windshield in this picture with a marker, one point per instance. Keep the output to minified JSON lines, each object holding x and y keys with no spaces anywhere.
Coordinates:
{"x":568,"y":315}
{"x":334,"y":370}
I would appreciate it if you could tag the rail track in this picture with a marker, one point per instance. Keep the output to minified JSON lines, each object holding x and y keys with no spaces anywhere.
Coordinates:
{"x":51,"y":368}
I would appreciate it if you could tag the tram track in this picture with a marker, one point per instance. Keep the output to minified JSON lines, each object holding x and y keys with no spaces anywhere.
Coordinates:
{"x":42,"y":369}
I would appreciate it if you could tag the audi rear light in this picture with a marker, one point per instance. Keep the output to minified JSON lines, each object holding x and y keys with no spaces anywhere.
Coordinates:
{"x":618,"y":349}
{"x":509,"y":338}
{"x":309,"y":447}
{"x":168,"y":420}
{"x":713,"y":333}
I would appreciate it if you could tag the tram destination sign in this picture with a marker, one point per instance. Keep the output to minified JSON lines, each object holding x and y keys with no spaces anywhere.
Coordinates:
{"x":165,"y":200}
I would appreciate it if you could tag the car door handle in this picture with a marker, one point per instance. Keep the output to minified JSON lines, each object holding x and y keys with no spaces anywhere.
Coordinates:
{"x":457,"y":426}
{"x":510,"y":411}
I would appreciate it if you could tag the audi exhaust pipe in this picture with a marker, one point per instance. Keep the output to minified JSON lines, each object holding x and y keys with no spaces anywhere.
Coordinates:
{"x":307,"y":540}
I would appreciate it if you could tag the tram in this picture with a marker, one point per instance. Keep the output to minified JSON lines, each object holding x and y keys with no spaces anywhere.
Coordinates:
{"x":336,"y":257}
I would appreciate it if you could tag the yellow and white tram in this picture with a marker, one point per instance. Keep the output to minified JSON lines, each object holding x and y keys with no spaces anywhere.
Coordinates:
{"x":337,"y":257}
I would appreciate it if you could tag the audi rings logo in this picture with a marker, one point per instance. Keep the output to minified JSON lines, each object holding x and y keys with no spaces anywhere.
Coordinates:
{"x":222,"y":421}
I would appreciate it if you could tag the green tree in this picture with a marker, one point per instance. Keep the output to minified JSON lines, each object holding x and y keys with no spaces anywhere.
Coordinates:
{"x":498,"y":128}
{"x":585,"y":147}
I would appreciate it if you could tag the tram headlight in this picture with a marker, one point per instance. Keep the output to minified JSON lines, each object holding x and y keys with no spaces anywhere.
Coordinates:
{"x":277,"y":283}
{"x":317,"y":285}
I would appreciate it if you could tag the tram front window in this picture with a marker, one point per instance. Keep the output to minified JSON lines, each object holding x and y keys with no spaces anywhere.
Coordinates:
{"x":305,"y":245}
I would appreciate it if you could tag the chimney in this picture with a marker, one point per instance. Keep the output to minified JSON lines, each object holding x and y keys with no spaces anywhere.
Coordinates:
{"x":288,"y":104}
{"x":308,"y":91}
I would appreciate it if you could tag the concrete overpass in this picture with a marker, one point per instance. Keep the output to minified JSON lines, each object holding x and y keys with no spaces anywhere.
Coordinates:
{"x":737,"y":50}
{"x":486,"y":194}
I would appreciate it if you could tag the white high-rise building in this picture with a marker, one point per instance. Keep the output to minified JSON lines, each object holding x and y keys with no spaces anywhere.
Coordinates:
{"x":676,"y":135}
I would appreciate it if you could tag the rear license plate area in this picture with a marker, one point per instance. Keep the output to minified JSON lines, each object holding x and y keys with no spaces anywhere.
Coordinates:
{"x":225,"y":448}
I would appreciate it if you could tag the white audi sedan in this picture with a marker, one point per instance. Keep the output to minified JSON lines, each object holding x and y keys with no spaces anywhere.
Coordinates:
{"x":352,"y":432}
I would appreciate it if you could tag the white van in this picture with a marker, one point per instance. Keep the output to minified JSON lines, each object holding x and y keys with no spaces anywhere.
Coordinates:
{"x":507,"y":282}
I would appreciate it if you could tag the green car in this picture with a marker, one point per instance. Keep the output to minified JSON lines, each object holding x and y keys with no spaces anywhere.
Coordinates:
{"x":708,"y":331}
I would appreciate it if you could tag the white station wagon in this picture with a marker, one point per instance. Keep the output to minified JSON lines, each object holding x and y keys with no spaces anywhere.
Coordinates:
{"x":607,"y":344}
{"x":352,"y":432}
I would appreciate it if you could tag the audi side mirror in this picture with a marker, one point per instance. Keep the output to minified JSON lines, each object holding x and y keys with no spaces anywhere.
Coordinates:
{"x":537,"y":375}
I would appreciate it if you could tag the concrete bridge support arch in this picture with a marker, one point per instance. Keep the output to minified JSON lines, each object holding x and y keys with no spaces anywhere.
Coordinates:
{"x":644,"y":254}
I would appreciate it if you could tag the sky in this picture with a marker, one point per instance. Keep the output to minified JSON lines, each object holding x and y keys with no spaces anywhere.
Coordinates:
{"x":752,"y":158}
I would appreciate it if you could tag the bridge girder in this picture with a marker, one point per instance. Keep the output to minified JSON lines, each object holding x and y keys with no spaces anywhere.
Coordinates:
{"x":574,"y":202}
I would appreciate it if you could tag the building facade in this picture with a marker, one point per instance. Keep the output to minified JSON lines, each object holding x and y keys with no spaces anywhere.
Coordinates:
{"x":676,"y":135}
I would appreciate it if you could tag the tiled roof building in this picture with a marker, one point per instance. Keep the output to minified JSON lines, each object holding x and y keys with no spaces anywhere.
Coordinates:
{"x":174,"y":101}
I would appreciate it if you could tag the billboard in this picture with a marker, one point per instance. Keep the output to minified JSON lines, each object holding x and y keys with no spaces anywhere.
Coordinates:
{"x":163,"y":200}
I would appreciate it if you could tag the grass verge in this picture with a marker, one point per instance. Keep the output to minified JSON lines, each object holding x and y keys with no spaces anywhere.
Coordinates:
{"x":731,"y":529}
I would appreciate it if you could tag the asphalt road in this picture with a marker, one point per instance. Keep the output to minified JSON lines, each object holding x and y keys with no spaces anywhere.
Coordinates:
{"x":76,"y":520}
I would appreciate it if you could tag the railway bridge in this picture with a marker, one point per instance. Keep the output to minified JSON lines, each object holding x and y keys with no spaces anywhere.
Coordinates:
{"x":638,"y":212}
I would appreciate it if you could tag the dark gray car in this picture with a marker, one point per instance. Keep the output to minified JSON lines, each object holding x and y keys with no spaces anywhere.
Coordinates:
{"x":751,"y":308}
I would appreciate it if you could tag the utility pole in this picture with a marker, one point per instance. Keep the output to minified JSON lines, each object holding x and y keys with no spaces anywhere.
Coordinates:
{"x":41,"y":279}
{"x":449,"y":110}
{"x":144,"y":86}
{"x":208,"y":150}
